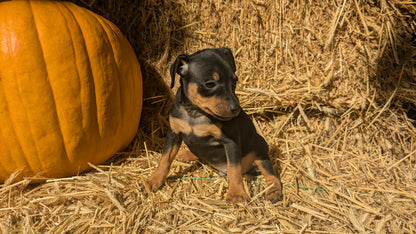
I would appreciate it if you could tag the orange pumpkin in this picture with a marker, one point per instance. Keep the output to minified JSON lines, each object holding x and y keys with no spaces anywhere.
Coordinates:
{"x":70,"y":89}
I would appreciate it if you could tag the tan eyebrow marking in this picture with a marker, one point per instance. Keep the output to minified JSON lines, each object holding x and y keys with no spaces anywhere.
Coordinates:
{"x":216,"y":76}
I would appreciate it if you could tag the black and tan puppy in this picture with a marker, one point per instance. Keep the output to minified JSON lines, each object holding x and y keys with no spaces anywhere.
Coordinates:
{"x":207,"y":116}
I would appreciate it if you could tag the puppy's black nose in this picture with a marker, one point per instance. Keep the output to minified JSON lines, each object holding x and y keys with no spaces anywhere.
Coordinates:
{"x":235,"y":108}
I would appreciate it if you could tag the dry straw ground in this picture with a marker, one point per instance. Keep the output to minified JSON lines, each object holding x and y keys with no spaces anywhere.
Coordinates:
{"x":332,"y":85}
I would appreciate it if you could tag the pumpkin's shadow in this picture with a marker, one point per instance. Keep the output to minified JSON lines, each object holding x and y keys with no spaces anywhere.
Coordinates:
{"x":151,"y":28}
{"x":396,"y":65}
{"x":157,"y":101}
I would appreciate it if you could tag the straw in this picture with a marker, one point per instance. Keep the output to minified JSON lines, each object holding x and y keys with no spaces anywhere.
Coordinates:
{"x":328,"y":83}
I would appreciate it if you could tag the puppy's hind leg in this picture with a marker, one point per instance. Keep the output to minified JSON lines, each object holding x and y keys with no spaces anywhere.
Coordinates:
{"x":275,"y":193}
{"x":185,"y":156}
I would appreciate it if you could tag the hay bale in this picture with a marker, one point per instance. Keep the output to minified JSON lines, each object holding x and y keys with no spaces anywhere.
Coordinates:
{"x":326,"y":81}
{"x":334,"y":54}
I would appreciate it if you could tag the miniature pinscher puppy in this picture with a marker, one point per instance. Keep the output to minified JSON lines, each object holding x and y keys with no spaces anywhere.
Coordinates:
{"x":207,"y":116}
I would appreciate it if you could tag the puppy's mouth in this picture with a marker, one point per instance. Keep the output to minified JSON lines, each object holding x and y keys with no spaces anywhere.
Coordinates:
{"x":216,"y":107}
{"x":223,"y":117}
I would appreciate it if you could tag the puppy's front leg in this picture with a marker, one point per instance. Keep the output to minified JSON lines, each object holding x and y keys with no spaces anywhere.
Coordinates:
{"x":236,"y":192}
{"x":172,"y":144}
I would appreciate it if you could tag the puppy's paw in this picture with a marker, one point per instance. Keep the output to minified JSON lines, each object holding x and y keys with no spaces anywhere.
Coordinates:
{"x":235,"y":196}
{"x":154,"y":183}
{"x":185,"y":156}
{"x":274,"y":194}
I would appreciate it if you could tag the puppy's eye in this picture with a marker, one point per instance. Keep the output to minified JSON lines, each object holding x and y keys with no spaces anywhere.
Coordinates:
{"x":210,"y":84}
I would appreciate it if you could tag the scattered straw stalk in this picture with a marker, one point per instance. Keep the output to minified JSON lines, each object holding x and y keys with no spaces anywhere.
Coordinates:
{"x":330,"y":83}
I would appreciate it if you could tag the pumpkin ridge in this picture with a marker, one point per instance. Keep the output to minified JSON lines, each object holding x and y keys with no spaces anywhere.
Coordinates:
{"x":56,"y":116}
{"x":111,"y":29}
{"x":94,"y":82}
{"x":17,"y":136}
{"x":30,"y":164}
{"x":2,"y":167}
{"x":89,"y":110}
{"x":31,"y":134}
{"x":69,"y":155}
{"x":75,"y":56}
{"x":119,"y":77}
{"x":93,"y":78}
{"x":26,"y":109}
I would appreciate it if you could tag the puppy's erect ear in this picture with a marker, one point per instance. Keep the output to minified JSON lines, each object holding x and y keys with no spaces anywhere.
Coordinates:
{"x":226,"y":54}
{"x":180,"y":66}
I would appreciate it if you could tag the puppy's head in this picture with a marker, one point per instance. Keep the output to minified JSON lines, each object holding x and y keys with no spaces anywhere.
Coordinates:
{"x":208,"y":80}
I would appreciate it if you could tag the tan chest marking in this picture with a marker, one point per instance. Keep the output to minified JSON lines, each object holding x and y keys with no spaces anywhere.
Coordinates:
{"x":200,"y":130}
{"x":179,"y":125}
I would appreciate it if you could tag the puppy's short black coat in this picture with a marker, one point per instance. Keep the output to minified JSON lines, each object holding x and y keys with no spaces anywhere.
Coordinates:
{"x":206,"y":115}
